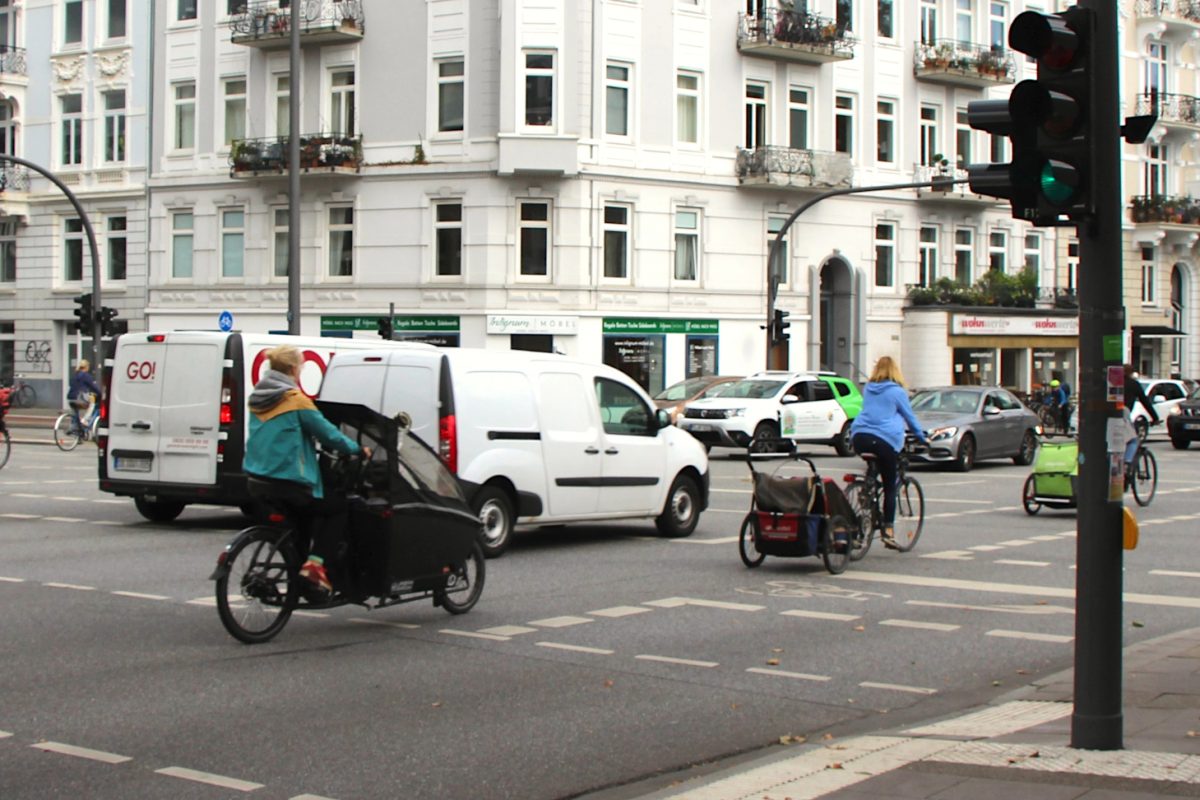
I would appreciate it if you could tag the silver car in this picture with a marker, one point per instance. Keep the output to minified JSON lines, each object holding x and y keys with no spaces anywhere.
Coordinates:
{"x":967,"y":423}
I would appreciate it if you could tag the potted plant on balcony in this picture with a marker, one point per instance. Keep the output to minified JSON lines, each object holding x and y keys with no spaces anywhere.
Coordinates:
{"x":940,"y":164}
{"x":939,"y":57}
{"x":244,"y":155}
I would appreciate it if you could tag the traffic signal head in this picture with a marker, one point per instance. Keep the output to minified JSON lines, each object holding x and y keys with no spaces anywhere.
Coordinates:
{"x":385,"y":327}
{"x":779,"y":326}
{"x":86,"y":315}
{"x":109,"y":326}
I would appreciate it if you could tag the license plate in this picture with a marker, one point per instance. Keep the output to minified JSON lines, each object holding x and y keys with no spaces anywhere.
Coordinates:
{"x":699,"y":427}
{"x":1192,"y":426}
{"x":131,"y":464}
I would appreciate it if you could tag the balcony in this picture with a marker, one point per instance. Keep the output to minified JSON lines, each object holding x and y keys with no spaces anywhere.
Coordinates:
{"x":1173,"y":18}
{"x":954,"y":63}
{"x":14,"y":190}
{"x":1164,"y":210}
{"x":320,"y":154}
{"x":954,"y":193}
{"x":793,"y":36}
{"x":790,"y":168}
{"x":266,"y":24}
{"x":1179,"y":112}
{"x":12,"y":61}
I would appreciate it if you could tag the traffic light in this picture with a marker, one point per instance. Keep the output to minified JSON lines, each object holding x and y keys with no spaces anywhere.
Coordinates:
{"x":1046,"y":120}
{"x":385,"y":328}
{"x":779,"y":326}
{"x":85,"y":313}
{"x":108,"y":324}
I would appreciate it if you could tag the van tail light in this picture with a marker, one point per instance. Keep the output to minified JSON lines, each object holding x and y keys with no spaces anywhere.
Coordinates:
{"x":448,"y":441}
{"x":105,"y":392}
{"x":220,"y":452}
{"x":226,"y":399}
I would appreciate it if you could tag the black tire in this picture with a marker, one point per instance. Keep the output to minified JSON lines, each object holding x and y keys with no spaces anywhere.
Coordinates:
{"x":842,"y":442}
{"x":1142,"y":426}
{"x":5,"y":447}
{"x":746,"y":542}
{"x":765,"y":439}
{"x":474,"y":572}
{"x":1145,"y":477}
{"x":682,"y":509}
{"x":966,"y":454}
{"x":65,"y":435}
{"x":910,"y":514}
{"x":859,"y":499}
{"x":836,"y":538}
{"x":1178,"y":444}
{"x":25,"y":397}
{"x":158,"y":510}
{"x":1027,"y":494}
{"x":265,"y":585}
{"x":1028,"y":451}
{"x":496,"y":516}
{"x":1049,"y":420}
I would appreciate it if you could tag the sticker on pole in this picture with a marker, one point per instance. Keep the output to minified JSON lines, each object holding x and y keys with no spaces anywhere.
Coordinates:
{"x":225,"y":321}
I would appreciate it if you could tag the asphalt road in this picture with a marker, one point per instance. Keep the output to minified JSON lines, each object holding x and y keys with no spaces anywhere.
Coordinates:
{"x":598,"y":656}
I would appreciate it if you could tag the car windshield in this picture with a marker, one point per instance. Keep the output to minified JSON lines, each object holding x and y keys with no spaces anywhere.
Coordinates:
{"x":682,"y":390}
{"x":753,"y":388}
{"x":953,"y":401}
{"x":719,"y":390}
{"x":1195,"y":395}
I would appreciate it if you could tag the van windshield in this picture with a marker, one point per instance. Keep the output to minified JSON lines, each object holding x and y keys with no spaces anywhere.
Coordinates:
{"x":755,"y":389}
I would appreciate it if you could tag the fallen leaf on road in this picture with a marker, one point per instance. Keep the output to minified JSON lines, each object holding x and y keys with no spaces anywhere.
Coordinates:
{"x":859,"y":628}
{"x":827,"y":737}
{"x":789,"y":739}
{"x":437,"y":704}
{"x":1193,"y":734}
{"x":836,"y":765}
{"x":1022,"y":672}
{"x":774,"y":662}
{"x":776,"y":649}
{"x":1042,"y":602}
{"x":608,"y":684}
{"x":1138,"y":624}
{"x":996,"y":683}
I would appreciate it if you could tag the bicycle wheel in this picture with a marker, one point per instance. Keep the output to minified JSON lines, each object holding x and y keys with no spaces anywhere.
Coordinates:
{"x":260,"y":588}
{"x":65,"y":434}
{"x":92,"y":427}
{"x":1027,"y":494}
{"x":5,"y":447}
{"x":860,"y":501}
{"x":1145,"y":477}
{"x":464,"y":585}
{"x":25,"y":397}
{"x":746,"y":549}
{"x":836,"y":537}
{"x":910,"y":514}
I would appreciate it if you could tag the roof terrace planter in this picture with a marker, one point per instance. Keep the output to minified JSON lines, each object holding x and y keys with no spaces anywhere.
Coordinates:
{"x":320,"y":153}
{"x":12,"y":60}
{"x":266,"y":24}
{"x":793,"y":36}
{"x":791,"y":168}
{"x":1172,"y":109}
{"x":954,"y":63}
{"x":1165,"y":210}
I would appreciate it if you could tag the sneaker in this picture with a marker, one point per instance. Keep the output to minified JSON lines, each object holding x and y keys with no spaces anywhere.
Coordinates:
{"x":889,"y":541}
{"x":313,"y":571}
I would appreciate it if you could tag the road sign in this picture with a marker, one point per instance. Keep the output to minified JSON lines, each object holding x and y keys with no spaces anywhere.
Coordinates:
{"x":225,"y":321}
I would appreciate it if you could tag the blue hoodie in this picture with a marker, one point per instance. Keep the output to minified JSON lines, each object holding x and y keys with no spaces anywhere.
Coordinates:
{"x":884,"y":413}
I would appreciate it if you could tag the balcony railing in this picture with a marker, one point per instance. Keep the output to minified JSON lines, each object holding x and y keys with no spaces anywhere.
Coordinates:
{"x":13,"y":178}
{"x":952,"y":191}
{"x":794,"y":36}
{"x":963,"y":63}
{"x":319,"y":152}
{"x":12,"y":60}
{"x":267,"y":23}
{"x":1181,"y":108}
{"x":787,"y":167}
{"x":1181,"y":210}
{"x":1185,"y":10}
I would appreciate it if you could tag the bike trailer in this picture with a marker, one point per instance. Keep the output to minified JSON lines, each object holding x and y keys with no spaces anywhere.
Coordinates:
{"x":1056,"y":471}
{"x":792,"y":510}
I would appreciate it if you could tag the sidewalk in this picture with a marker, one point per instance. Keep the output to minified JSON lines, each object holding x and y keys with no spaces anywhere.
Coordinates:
{"x":31,"y":425}
{"x":1013,"y":748}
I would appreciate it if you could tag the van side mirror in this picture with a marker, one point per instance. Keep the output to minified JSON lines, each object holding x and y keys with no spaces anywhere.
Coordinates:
{"x":663,"y":417}
{"x":1158,"y":398}
{"x":789,"y":398}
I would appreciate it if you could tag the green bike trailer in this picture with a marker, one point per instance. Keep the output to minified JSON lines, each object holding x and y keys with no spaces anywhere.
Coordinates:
{"x":1053,"y":480}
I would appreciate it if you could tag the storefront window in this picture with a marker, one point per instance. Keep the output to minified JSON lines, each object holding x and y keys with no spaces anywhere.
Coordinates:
{"x":1014,"y":369}
{"x":639,"y":357}
{"x":701,"y":356}
{"x":536,"y":342}
{"x":1053,"y":364}
{"x":974,"y":366}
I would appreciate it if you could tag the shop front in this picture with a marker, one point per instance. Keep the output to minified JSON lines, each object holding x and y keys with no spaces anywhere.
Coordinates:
{"x":534,"y":332}
{"x":442,"y":330}
{"x":650,"y":349}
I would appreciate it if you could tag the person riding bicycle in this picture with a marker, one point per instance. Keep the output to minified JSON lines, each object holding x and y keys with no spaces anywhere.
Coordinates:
{"x":880,"y":429}
{"x":281,"y":454}
{"x":1058,"y":401}
{"x":80,"y":393}
{"x":1134,"y":393}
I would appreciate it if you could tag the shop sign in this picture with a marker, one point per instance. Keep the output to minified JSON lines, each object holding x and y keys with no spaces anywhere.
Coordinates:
{"x":532,"y":323}
{"x":400,"y":323}
{"x":971,"y":324}
{"x":650,"y":325}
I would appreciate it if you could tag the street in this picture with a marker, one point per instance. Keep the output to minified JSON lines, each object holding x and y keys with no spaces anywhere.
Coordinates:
{"x":598,"y":655}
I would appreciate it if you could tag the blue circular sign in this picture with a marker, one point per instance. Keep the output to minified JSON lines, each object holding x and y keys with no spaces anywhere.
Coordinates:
{"x":225,"y":321}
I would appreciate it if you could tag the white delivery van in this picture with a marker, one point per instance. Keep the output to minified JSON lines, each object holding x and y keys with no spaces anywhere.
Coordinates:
{"x":547,"y":439}
{"x":173,"y":422}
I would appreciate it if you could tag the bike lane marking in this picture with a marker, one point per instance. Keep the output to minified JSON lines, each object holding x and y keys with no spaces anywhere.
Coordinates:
{"x":54,"y":585}
{"x":897,"y":687}
{"x":81,"y":752}
{"x":925,"y":626}
{"x":209,"y":778}
{"x":619,"y":611}
{"x":575,"y":648}
{"x":678,"y":602}
{"x":141,"y":595}
{"x":1033,"y":637}
{"x":797,"y":612}
{"x":686,"y":662}
{"x":560,"y":622}
{"x":474,"y":635}
{"x":21,"y":516}
{"x":507,"y":631}
{"x":782,"y":673}
{"x":384,"y":623}
{"x":1013,"y":562}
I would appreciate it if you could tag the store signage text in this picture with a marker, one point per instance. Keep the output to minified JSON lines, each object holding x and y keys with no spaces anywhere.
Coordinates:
{"x":1014,"y":326}
{"x":400,"y":323}
{"x":535,"y":323}
{"x":652,"y":325}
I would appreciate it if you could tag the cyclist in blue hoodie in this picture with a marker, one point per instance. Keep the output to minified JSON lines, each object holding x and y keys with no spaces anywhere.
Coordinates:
{"x":880,"y":428}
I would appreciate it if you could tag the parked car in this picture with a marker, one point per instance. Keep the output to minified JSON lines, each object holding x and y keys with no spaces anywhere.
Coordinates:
{"x":968,"y":423}
{"x":1165,"y":394}
{"x":1183,"y":421}
{"x":768,"y":407}
{"x":677,"y":395}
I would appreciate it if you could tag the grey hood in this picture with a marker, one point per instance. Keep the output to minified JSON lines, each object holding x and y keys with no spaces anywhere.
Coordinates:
{"x":270,"y":390}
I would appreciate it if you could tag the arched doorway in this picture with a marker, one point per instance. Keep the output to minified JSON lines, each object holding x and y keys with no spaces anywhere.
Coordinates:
{"x":1179,"y":317}
{"x":835,"y":335}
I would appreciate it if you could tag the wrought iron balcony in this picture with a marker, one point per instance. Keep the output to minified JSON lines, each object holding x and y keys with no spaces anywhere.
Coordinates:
{"x":319,"y":153}
{"x":788,"y":167}
{"x":1172,"y":109}
{"x":1185,"y":12}
{"x":12,"y":60}
{"x":267,"y":23}
{"x":955,"y":63}
{"x":793,"y":36}
{"x":955,"y":192}
{"x":13,"y":177}
{"x":1168,"y":209}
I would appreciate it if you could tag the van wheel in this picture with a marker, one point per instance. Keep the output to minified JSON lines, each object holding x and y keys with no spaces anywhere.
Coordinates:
{"x":496,"y":515}
{"x":158,"y":510}
{"x":841,"y":442}
{"x":682,"y":511}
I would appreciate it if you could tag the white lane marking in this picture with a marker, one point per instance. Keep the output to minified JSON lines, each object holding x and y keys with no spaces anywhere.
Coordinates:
{"x":209,"y":778}
{"x":112,"y":522}
{"x":1068,"y":534}
{"x":81,"y":752}
{"x":312,"y":614}
{"x":21,"y":516}
{"x":77,"y":587}
{"x":202,"y":601}
{"x":474,"y":635}
{"x":687,"y":662}
{"x":384,"y":623}
{"x":925,"y":626}
{"x":142,"y":596}
{"x":619,"y":611}
{"x":731,"y":491}
{"x":950,"y":555}
{"x":560,"y":622}
{"x":677,"y":602}
{"x":11,"y":580}
{"x":575,"y":648}
{"x":22,"y":494}
{"x":1003,"y":609}
{"x":1175,"y":573}
{"x":782,"y":673}
{"x":897,"y":687}
{"x":956,"y":483}
{"x":819,"y":615}
{"x":1046,"y":537}
{"x":310,"y":797}
{"x":1016,"y":543}
{"x":970,"y":502}
{"x":66,"y":498}
{"x":986,"y":548}
{"x":508,"y":630}
{"x":721,"y":540}
{"x":66,"y":480}
{"x":1018,"y":563}
{"x":1035,"y":637}
{"x":64,"y":519}
{"x":4,"y":734}
{"x":112,"y":501}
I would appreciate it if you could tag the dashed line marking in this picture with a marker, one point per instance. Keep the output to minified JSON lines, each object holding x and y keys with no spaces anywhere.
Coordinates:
{"x":77,"y":587}
{"x":1046,"y":537}
{"x":986,"y":548}
{"x":781,"y":673}
{"x":619,"y":611}
{"x":11,"y":580}
{"x":112,"y":501}
{"x":313,"y":614}
{"x":81,"y":752}
{"x":475,"y":635}
{"x":5,"y":734}
{"x":31,"y":496}
{"x":384,"y":623}
{"x":1018,"y":563}
{"x":560,"y":622}
{"x":575,"y":648}
{"x":209,"y":778}
{"x":142,"y":596}
{"x":310,"y":797}
{"x":720,"y":540}
{"x":1006,"y":609}
{"x":508,"y":630}
{"x":1034,"y":637}
{"x":202,"y":601}
{"x":21,"y":516}
{"x":797,"y":612}
{"x":68,"y":498}
{"x":64,"y":519}
{"x":1016,"y":542}
{"x":950,"y":555}
{"x":686,"y":662}
{"x":677,"y":602}
{"x":925,"y":626}
{"x":1175,"y":573}
{"x":897,"y":687}
{"x":111,"y":522}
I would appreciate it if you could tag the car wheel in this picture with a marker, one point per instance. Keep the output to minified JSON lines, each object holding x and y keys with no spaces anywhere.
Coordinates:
{"x":158,"y":510}
{"x":842,"y":443}
{"x":766,"y":438}
{"x":1180,"y":444}
{"x":682,"y":510}
{"x":966,"y":455}
{"x":496,"y":516}
{"x":1028,"y":451}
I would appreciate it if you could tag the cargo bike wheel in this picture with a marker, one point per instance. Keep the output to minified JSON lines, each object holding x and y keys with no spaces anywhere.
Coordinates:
{"x":859,"y":496}
{"x":837,"y":537}
{"x":747,"y":541}
{"x":464,"y":584}
{"x":259,"y":587}
{"x":1028,"y":493}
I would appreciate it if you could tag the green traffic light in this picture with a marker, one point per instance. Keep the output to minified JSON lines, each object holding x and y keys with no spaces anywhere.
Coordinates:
{"x":1058,"y":183}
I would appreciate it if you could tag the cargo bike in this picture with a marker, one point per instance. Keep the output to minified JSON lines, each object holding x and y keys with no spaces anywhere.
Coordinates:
{"x":797,"y":515}
{"x":1055,"y":477}
{"x":411,"y":536}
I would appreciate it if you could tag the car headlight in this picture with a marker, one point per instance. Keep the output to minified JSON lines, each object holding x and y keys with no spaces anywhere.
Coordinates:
{"x":734,"y":412}
{"x":1175,"y":411}
{"x":938,"y":434}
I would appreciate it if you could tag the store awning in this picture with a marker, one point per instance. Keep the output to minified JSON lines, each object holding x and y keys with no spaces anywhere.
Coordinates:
{"x":1157,"y":332}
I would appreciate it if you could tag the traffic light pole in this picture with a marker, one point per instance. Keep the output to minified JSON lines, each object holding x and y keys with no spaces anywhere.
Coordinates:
{"x":1097,"y":721}
{"x":293,"y":291}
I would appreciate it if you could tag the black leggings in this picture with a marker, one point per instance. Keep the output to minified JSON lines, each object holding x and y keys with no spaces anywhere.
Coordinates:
{"x":889,"y":468}
{"x":322,"y":522}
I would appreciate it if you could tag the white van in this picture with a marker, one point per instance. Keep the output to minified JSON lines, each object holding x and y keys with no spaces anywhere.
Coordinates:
{"x":548,"y":439}
{"x":173,"y":419}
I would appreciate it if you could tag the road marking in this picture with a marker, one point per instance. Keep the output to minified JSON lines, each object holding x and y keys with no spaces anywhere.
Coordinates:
{"x":64,"y":519}
{"x":575,"y":648}
{"x":11,"y":580}
{"x":896,"y":687}
{"x":619,"y":611}
{"x":1175,"y":573}
{"x":986,"y":548}
{"x":1034,"y":637}
{"x":970,"y":502}
{"x":1003,"y":609}
{"x":927,"y":626}
{"x":677,"y":602}
{"x":800,"y":676}
{"x":819,"y":615}
{"x":731,"y":491}
{"x":22,"y":494}
{"x":54,"y":585}
{"x":67,"y":499}
{"x":687,"y":662}
{"x":202,"y":601}
{"x":507,"y":630}
{"x":560,"y":622}
{"x":209,"y":778}
{"x":312,"y":614}
{"x":1047,"y":537}
{"x":1017,"y":563}
{"x":950,"y":555}
{"x":310,"y":797}
{"x":106,"y":522}
{"x":384,"y":623}
{"x":112,"y":501}
{"x":721,"y":540}
{"x":957,"y":483}
{"x":1016,"y":543}
{"x":141,"y":596}
{"x":4,"y":734}
{"x":21,"y":516}
{"x":81,"y":752}
{"x":474,"y":635}
{"x":67,"y":480}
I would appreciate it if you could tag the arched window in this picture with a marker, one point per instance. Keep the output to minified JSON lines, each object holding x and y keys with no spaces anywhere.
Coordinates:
{"x":8,"y":128}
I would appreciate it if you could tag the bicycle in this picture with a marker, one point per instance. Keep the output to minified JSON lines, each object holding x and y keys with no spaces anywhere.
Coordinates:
{"x":23,"y":394}
{"x":70,"y":431}
{"x":1141,"y":475}
{"x":5,"y":441}
{"x":865,"y":493}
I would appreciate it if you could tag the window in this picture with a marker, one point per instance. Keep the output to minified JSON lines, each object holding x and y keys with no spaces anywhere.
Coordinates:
{"x":8,"y":128}
{"x":1155,"y":70}
{"x":233,"y":7}
{"x":283,"y":105}
{"x":280,"y":218}
{"x":962,"y":139}
{"x":624,"y":412}
{"x":1148,"y":259}
{"x":928,"y":256}
{"x":185,"y":116}
{"x":843,"y":124}
{"x":182,"y":225}
{"x":756,"y":116}
{"x":687,"y":245}
{"x":341,"y":242}
{"x":116,"y":19}
{"x":447,"y":234}
{"x":114,"y":125}
{"x":539,"y":89}
{"x":73,"y":250}
{"x":341,"y":103}
{"x":964,"y":255}
{"x":1154,"y":170}
{"x":450,"y":95}
{"x":233,"y":243}
{"x":963,"y":22}
{"x":929,"y":135}
{"x":235,"y":110}
{"x":185,"y":9}
{"x":616,"y":242}
{"x":845,"y":15}
{"x":997,"y":251}
{"x":885,"y":132}
{"x":73,"y":22}
{"x":8,"y":251}
{"x":1033,"y":252}
{"x":116,"y":248}
{"x":928,"y":21}
{"x":997,"y":19}
{"x":798,"y":119}
{"x":616,"y":100}
{"x":779,"y":265}
{"x":1072,"y":263}
{"x":885,"y":254}
{"x":885,"y":16}
{"x":687,"y":108}
{"x":534,"y":228}
{"x":72,"y":129}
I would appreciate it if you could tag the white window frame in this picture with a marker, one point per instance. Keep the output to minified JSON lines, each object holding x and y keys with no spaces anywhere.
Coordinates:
{"x":8,"y":245}
{"x":967,"y":250}
{"x":688,"y":103}
{"x":281,"y":88}
{"x":183,"y":6}
{"x":892,"y":20}
{"x":622,"y":229}
{"x":231,"y":100}
{"x":343,"y":101}
{"x":885,"y":116}
{"x":929,"y":134}
{"x":70,"y":143}
{"x":683,"y":232}
{"x":1156,"y":74}
{"x":73,"y":241}
{"x":1032,"y":252}
{"x":1149,"y":259}
{"x":997,"y":24}
{"x":528,"y":72}
{"x":448,"y":224}
{"x":183,"y":116}
{"x":534,"y":224}
{"x":757,"y":127}
{"x":963,"y":135}
{"x":844,"y":108}
{"x":109,"y":18}
{"x":783,"y":264}
{"x":112,"y":235}
{"x":885,"y":233}
{"x":333,"y":228}
{"x":800,"y":117}
{"x":998,"y":253}
{"x":280,"y":245}
{"x":79,"y":8}
{"x":617,"y":85}
{"x":1156,"y":172}
{"x":928,"y":22}
{"x":450,"y":72}
{"x":232,"y":234}
{"x":116,"y":126}
{"x":964,"y":20}
{"x":179,"y":235}
{"x":8,"y":127}
{"x":927,"y":255}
